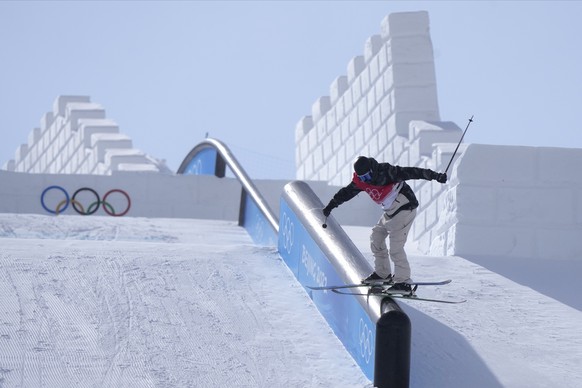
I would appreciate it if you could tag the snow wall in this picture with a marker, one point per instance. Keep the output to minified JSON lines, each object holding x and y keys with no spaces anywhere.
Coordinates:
{"x":504,"y":201}
{"x":151,"y":194}
{"x":509,"y":201}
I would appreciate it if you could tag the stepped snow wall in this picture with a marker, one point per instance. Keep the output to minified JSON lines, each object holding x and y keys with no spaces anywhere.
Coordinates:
{"x":369,"y":110}
{"x":77,"y":138}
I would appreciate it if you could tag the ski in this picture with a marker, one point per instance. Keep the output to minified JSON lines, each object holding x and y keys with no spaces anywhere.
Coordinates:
{"x":400,"y":296}
{"x":448,"y":301}
{"x":377,"y":284}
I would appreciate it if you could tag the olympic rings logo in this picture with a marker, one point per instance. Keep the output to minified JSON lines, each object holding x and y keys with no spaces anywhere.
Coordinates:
{"x":195,"y":168}
{"x":374,"y":193}
{"x":366,"y":341}
{"x":84,"y":193}
{"x":259,"y":227}
{"x":288,"y":232}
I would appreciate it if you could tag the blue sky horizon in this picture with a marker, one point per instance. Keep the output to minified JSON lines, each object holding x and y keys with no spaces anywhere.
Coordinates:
{"x":245,"y":72}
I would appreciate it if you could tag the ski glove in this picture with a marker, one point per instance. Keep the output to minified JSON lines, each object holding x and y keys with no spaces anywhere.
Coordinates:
{"x":327,"y":210}
{"x":440,"y":177}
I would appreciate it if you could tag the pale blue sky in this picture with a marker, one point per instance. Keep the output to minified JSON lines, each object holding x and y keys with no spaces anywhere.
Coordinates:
{"x":246,"y":72}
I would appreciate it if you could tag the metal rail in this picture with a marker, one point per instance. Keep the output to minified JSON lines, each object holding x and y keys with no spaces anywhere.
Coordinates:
{"x":238,"y":172}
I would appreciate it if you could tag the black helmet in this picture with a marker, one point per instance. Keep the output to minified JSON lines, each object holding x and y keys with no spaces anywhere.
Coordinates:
{"x":362,"y":165}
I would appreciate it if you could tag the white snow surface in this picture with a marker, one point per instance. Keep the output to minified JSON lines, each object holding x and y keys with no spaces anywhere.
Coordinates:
{"x":137,"y":302}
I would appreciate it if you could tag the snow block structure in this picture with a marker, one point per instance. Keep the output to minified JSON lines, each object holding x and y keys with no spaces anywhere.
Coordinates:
{"x":77,"y":138}
{"x":386,"y":107}
{"x":509,"y":201}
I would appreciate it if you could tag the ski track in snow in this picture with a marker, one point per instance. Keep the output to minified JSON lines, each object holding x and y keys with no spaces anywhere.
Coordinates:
{"x":105,"y":302}
{"x":119,"y":302}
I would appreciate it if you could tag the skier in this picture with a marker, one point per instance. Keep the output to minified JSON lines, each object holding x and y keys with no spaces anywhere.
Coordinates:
{"x":385,"y":184}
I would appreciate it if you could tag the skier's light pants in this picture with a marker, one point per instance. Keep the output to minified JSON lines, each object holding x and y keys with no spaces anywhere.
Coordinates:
{"x":396,"y":228}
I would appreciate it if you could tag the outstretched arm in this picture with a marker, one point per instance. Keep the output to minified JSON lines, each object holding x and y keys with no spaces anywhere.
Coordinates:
{"x":406,"y":173}
{"x":343,"y":195}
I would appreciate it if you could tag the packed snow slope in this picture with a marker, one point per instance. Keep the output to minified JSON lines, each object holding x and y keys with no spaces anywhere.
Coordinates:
{"x":135,"y":302}
{"x":111,"y":302}
{"x":509,"y":333}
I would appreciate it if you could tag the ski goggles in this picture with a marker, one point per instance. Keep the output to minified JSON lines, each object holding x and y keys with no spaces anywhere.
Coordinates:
{"x":367,"y":177}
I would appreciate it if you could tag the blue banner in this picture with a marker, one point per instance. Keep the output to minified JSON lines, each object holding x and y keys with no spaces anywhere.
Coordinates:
{"x":256,"y":224}
{"x":203,"y":163}
{"x":348,"y":319}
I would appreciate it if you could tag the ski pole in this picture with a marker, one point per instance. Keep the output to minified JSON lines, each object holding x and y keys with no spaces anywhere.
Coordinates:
{"x":456,"y":149}
{"x":324,"y":223}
